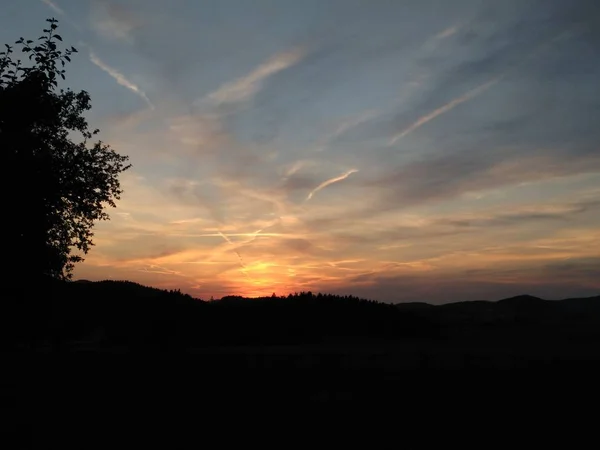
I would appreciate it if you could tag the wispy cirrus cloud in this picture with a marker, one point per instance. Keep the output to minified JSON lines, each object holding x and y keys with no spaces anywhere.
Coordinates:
{"x":477,"y":200}
{"x":454,"y":176}
{"x":329,"y":182}
{"x":444,"y":109}
{"x":447,"y":32}
{"x":120,"y":78}
{"x":113,"y":21}
{"x":54,"y":7}
{"x":247,"y":86}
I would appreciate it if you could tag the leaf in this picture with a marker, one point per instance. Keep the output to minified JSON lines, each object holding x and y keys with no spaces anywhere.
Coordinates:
{"x":57,"y":36}
{"x":62,"y":76}
{"x":73,"y":49}
{"x":67,"y":58}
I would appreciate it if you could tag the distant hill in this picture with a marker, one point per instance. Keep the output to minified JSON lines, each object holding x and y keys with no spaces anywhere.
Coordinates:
{"x":519,"y":310}
{"x":123,"y":314}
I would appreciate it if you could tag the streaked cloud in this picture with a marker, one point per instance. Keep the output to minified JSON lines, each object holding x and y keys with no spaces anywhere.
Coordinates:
{"x":450,"y":31}
{"x":113,"y":21}
{"x":471,"y":123}
{"x":247,"y":86}
{"x":329,"y":182}
{"x":54,"y":6}
{"x":120,"y":78}
{"x":444,"y":109}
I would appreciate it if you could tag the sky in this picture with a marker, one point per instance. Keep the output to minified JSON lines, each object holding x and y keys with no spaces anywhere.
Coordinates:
{"x":415,"y":150}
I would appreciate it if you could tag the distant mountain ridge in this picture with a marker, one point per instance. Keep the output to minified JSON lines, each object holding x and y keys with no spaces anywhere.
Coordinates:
{"x":519,"y":308}
{"x":130,"y":315}
{"x":523,"y":298}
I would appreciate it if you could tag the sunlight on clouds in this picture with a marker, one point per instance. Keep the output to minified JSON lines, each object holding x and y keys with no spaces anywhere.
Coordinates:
{"x":495,"y":189}
{"x":257,"y":255}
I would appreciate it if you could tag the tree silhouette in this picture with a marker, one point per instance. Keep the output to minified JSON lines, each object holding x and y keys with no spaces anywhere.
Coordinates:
{"x":56,"y":182}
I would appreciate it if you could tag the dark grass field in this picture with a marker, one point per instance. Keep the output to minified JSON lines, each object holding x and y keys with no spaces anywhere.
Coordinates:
{"x":423,"y":394}
{"x":90,"y":370}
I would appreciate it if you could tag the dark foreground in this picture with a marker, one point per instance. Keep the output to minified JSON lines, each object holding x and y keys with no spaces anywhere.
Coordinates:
{"x":115,"y":359}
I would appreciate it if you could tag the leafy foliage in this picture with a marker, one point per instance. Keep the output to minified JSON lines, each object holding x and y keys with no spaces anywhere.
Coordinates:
{"x":58,"y":183}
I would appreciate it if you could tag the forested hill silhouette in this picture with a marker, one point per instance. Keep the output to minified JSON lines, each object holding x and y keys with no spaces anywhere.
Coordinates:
{"x":126,"y":315}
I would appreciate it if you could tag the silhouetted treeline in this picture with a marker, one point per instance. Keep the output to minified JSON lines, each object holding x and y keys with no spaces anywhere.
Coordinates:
{"x":118,"y":313}
{"x":128,"y":316}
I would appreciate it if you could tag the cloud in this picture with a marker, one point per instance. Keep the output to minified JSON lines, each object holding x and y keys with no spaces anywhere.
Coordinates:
{"x":444,"y":109}
{"x":154,"y":269}
{"x":522,"y":216}
{"x":120,"y":78}
{"x":434,"y":253}
{"x":459,"y":287}
{"x":449,"y":176}
{"x":344,"y":127}
{"x":330,"y":181}
{"x":54,"y":6}
{"x":352,"y":122}
{"x":57,"y":9}
{"x":401,"y":231}
{"x":447,"y":32}
{"x":240,"y":259}
{"x":203,"y":134}
{"x":478,"y":204}
{"x":246,"y":87}
{"x":113,"y":21}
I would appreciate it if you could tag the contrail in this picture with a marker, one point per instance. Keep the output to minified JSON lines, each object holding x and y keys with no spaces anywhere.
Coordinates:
{"x":246,"y":86}
{"x":242,"y":265}
{"x":220,"y":233}
{"x":61,"y":12}
{"x":250,"y":235}
{"x":445,"y":108}
{"x":447,"y":32}
{"x":480,"y":89}
{"x":330,"y":181}
{"x":153,"y":268}
{"x":259,"y":233}
{"x":120,"y":78}
{"x":54,"y":6}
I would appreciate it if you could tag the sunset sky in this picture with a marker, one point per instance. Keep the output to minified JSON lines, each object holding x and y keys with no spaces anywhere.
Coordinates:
{"x":399,"y":150}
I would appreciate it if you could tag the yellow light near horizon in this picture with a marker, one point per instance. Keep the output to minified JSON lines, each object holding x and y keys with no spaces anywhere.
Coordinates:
{"x":262,"y":278}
